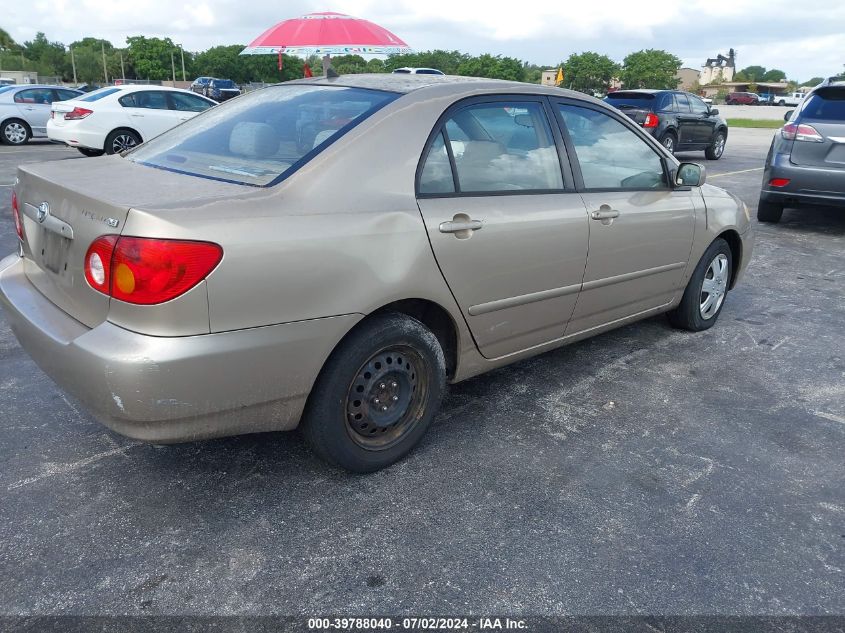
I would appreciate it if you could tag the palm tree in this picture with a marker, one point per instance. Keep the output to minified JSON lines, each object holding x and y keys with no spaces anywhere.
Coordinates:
{"x":6,"y":41}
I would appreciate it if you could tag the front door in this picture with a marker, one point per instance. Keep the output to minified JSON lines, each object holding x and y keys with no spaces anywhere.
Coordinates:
{"x":149,"y":112}
{"x":641,"y":229}
{"x":508,"y":231}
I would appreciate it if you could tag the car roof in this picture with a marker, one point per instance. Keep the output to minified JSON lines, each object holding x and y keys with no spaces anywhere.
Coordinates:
{"x":457,"y":85}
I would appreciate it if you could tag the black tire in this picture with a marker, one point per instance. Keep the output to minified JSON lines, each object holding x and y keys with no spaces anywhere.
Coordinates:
{"x":15,"y":132}
{"x":91,"y":153}
{"x":669,"y":141}
{"x":717,"y":146}
{"x":394,"y":362}
{"x":769,"y":211}
{"x":115,"y":140}
{"x":688,"y":314}
{"x":781,"y":102}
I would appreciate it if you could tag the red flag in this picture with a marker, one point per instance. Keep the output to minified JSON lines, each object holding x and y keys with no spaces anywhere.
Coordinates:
{"x":307,"y":69}
{"x":280,"y":60}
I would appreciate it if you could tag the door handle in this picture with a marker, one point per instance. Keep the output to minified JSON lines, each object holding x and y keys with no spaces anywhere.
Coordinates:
{"x":462,"y":226}
{"x":605,"y":214}
{"x":137,"y":116}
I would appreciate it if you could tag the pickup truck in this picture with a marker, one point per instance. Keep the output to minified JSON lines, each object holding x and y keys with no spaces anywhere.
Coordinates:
{"x":789,"y":99}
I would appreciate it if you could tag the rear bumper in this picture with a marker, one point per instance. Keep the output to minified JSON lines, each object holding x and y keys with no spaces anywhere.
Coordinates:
{"x":808,"y":186}
{"x":173,"y":389}
{"x":75,"y":136}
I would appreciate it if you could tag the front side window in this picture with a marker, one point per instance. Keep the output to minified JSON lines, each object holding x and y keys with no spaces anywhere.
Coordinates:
{"x":35,"y":95}
{"x":259,"y":137}
{"x":503,"y":146}
{"x":682,"y":102}
{"x":188,"y":103}
{"x":150,"y":99}
{"x":697,"y":105}
{"x":611,"y":155}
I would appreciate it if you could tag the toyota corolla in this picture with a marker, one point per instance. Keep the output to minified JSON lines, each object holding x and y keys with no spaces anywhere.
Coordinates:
{"x":330,"y":253}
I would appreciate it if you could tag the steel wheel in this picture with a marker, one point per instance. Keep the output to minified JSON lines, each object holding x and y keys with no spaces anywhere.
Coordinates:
{"x":387,"y":398}
{"x":122,"y":142}
{"x":15,"y":133}
{"x":714,"y":287}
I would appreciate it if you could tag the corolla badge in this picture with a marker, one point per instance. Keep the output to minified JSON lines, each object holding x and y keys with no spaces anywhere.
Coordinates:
{"x":43,"y":211}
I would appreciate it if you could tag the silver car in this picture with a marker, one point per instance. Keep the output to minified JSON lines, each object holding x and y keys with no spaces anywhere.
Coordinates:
{"x":25,"y":110}
{"x":330,"y":253}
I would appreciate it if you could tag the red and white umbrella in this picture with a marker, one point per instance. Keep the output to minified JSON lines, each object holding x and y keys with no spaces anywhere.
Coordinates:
{"x":326,"y":34}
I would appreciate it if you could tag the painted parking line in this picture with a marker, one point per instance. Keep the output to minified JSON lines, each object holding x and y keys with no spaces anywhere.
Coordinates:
{"x":731,"y":173}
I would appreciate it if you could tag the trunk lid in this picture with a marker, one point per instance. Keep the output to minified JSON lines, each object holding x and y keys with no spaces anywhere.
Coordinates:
{"x":66,"y":205}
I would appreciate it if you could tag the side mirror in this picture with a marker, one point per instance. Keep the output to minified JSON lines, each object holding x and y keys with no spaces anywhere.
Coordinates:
{"x":714,"y":111}
{"x":788,"y":115}
{"x":690,"y":175}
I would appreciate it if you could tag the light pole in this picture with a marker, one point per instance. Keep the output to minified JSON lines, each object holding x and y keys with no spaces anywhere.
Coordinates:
{"x":182,"y":53}
{"x":105,"y":68}
{"x":173,"y":68}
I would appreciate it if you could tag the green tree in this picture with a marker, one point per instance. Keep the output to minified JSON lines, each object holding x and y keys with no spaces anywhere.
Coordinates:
{"x":375,"y":65}
{"x":650,"y":68}
{"x":815,"y":81}
{"x":227,"y":62}
{"x":751,"y":73}
{"x":589,"y":72}
{"x":349,"y":64}
{"x":7,"y":43}
{"x":444,"y":61}
{"x":492,"y":67}
{"x":773,"y":75}
{"x":47,"y":57}
{"x":151,"y":56}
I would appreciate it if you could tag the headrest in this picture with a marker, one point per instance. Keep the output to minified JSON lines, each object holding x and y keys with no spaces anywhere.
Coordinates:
{"x":254,"y":140}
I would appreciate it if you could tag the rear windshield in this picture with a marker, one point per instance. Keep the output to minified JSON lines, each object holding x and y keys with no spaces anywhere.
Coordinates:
{"x":825,"y":105}
{"x":262,"y":136}
{"x":223,"y":83}
{"x":623,"y":100}
{"x":99,"y":94}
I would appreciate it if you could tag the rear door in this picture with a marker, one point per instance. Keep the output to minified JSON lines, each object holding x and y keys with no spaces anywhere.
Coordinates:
{"x":34,"y":106}
{"x":149,"y":112}
{"x":506,"y":226}
{"x":824,"y":111}
{"x":641,"y":229}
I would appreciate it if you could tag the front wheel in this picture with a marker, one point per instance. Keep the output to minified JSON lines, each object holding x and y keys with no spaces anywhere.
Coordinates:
{"x":376,"y":395}
{"x":706,"y":291}
{"x":717,"y":147}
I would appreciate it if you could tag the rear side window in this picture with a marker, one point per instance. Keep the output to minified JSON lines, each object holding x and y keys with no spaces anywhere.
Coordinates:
{"x":436,"y":176}
{"x":64,"y":95}
{"x":96,"y":95}
{"x":825,"y":105}
{"x":666,"y":102}
{"x":611,"y":156}
{"x":260,"y":137}
{"x":503,"y":146}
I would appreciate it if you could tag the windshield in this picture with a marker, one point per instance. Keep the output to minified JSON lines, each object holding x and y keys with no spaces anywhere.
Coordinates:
{"x":262,"y":136}
{"x":622,"y":100}
{"x":826,"y":104}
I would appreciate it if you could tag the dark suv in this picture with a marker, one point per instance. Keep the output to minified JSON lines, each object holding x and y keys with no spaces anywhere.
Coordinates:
{"x":742,"y":98}
{"x":806,"y":162}
{"x":679,"y":120}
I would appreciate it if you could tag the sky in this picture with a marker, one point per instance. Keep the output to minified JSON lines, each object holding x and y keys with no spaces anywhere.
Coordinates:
{"x":806,"y":42}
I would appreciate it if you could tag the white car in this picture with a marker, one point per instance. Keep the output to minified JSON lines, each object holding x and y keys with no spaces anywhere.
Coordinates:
{"x":407,"y":70}
{"x":116,"y":118}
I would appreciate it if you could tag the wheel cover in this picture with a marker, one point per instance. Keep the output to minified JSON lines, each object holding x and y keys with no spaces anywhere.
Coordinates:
{"x":123,"y":142}
{"x":387,"y":398}
{"x":714,"y":287}
{"x":15,"y":132}
{"x":669,"y":143}
{"x":719,"y":145}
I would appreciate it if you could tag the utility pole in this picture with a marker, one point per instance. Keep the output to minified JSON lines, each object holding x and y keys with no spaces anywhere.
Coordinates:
{"x":105,"y":68}
{"x":73,"y":64}
{"x":182,"y":52}
{"x":122,"y":71}
{"x":173,"y":68}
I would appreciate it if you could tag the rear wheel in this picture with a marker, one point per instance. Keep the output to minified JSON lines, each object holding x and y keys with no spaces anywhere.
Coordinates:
{"x":717,"y":147}
{"x":769,"y":211}
{"x":377,"y":394}
{"x":706,"y":291}
{"x":15,"y":132}
{"x":87,"y":151}
{"x":669,"y":141}
{"x":120,"y":141}
{"x":781,"y":102}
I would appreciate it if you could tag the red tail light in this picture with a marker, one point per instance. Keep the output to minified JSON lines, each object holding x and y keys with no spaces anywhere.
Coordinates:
{"x":651,"y":120}
{"x":779,"y":182}
{"x":16,"y":214}
{"x":148,"y":271}
{"x":77,"y":113}
{"x":802,"y":132}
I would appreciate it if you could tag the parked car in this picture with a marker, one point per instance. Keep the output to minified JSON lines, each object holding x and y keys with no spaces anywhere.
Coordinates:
{"x":25,"y":110}
{"x":806,"y":161}
{"x":217,"y":280}
{"x":408,"y":70}
{"x":199,"y":84}
{"x":114,"y":119}
{"x":221,"y":89}
{"x":789,"y":99}
{"x":680,"y":121}
{"x":7,"y":81}
{"x":88,"y":87}
{"x":742,"y":98}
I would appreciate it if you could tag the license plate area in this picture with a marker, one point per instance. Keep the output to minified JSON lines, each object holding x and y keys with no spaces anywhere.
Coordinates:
{"x":54,"y":251}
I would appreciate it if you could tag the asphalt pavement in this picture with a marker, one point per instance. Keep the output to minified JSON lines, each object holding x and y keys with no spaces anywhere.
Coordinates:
{"x":645,"y":471}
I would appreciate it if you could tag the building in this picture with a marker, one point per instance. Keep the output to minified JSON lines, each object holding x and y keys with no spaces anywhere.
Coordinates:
{"x":718,"y":69}
{"x":768,"y":87}
{"x":687,"y":78}
{"x":548,"y":77}
{"x":20,"y":76}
